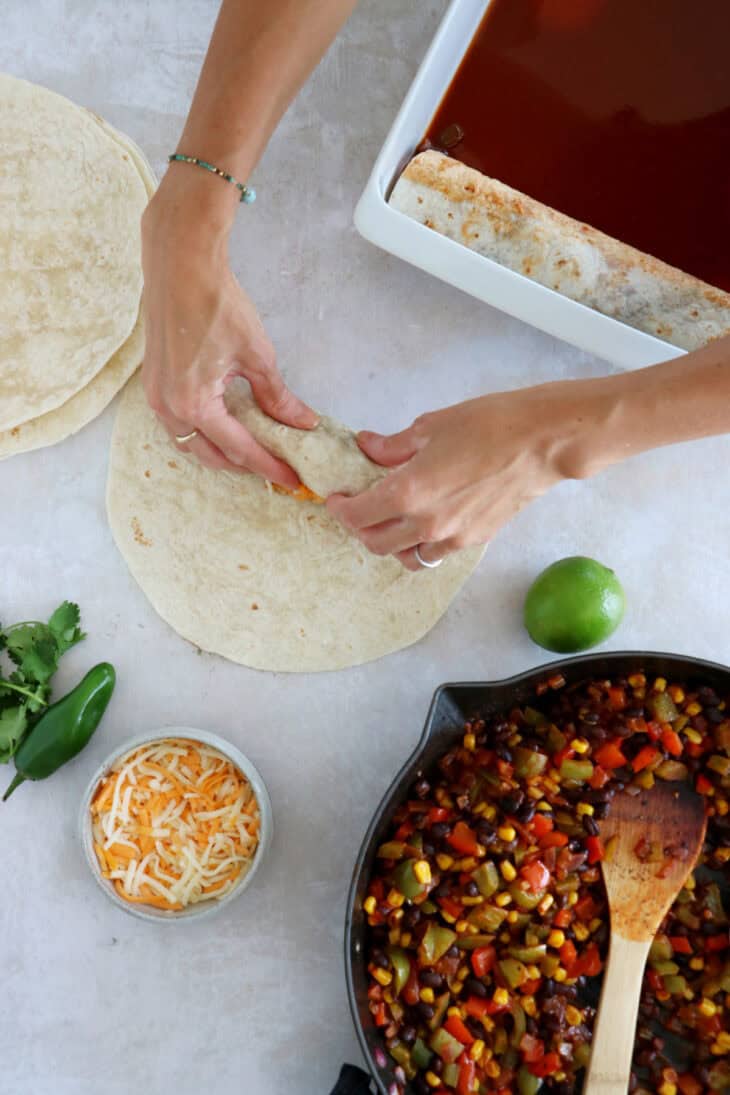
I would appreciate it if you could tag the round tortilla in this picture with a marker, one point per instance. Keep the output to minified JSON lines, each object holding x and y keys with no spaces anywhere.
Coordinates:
{"x":87,"y":404}
{"x":70,"y":271}
{"x":255,"y":575}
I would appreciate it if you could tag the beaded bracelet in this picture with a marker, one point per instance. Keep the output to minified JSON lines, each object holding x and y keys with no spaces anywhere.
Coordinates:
{"x":248,"y":194}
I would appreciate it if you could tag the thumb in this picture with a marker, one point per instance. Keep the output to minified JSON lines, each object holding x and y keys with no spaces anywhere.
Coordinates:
{"x":388,"y":451}
{"x":273,"y":397}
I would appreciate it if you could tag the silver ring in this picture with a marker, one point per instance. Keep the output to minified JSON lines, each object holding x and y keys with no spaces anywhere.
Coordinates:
{"x":423,"y":562}
{"x":183,"y":438}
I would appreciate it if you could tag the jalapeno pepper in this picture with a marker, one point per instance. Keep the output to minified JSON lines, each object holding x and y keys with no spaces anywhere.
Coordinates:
{"x":64,"y":728}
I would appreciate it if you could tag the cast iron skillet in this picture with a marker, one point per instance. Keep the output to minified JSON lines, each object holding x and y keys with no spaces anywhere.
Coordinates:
{"x":452,"y":704}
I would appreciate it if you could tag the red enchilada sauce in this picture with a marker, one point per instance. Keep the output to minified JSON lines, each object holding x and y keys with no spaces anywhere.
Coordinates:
{"x":616,"y":112}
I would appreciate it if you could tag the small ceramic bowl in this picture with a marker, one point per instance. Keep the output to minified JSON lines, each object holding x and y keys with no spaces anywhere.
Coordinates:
{"x":230,"y":752}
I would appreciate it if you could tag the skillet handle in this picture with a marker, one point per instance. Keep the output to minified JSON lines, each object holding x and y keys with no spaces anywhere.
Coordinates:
{"x":352,"y":1081}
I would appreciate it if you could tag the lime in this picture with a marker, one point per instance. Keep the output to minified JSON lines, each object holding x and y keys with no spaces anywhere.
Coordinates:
{"x":574,"y":604}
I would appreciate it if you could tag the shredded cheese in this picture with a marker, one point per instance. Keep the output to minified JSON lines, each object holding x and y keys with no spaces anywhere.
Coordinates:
{"x":174,"y":823}
{"x":300,"y":493}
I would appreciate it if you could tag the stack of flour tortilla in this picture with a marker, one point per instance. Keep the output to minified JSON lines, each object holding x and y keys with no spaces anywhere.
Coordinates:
{"x":245,"y":571}
{"x":562,"y":254}
{"x":72,"y":191}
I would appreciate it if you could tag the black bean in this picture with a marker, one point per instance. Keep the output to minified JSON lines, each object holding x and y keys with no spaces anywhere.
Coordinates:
{"x":474,"y":987}
{"x":474,"y":1026}
{"x":379,"y":960}
{"x":443,"y":889}
{"x":526,"y":811}
{"x":714,"y":715}
{"x":453,"y":951}
{"x":431,"y":979}
{"x":600,"y":810}
{"x":422,"y":789}
{"x":486,"y":833}
{"x":634,"y":712}
{"x":471,"y":889}
{"x":591,"y":717}
{"x":411,"y":916}
{"x":408,"y":1035}
{"x":439,"y":830}
{"x":428,"y":849}
{"x":420,"y":1086}
{"x":503,"y":752}
{"x":589,"y":825}
{"x":708,"y":696}
{"x":425,"y":1011}
{"x":436,"y":1065}
{"x":511,"y":803}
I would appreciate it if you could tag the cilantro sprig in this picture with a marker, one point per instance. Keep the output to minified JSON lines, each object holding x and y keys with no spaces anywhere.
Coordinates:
{"x":33,"y":650}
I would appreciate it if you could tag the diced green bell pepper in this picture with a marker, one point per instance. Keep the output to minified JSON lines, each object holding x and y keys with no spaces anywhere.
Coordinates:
{"x":402,"y":967}
{"x":392,"y":849}
{"x":660,"y":949}
{"x":527,"y":1084}
{"x":450,"y":1075}
{"x":448,"y":1048}
{"x":471,"y":942}
{"x":486,"y":877}
{"x":662,"y":707}
{"x":528,"y":954}
{"x":405,"y":880}
{"x":520,"y":1025}
{"x":435,"y":943}
{"x":580,"y":771}
{"x":676,"y":985}
{"x":582,"y":1055}
{"x":665,"y":968}
{"x":441,"y":1005}
{"x":525,"y":899}
{"x":529,"y":763}
{"x":420,"y":1054}
{"x":488,"y":918}
{"x":514,"y":972}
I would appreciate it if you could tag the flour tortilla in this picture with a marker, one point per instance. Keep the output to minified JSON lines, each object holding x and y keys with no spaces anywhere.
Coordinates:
{"x":560,"y":253}
{"x":70,"y":272}
{"x":87,"y":404}
{"x":257,"y":576}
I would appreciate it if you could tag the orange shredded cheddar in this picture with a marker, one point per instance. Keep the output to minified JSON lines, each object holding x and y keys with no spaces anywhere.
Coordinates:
{"x":300,"y":493}
{"x":174,"y":823}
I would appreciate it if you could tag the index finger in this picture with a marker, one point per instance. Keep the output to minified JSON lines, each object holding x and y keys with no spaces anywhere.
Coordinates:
{"x":242,"y":449}
{"x":378,"y":503}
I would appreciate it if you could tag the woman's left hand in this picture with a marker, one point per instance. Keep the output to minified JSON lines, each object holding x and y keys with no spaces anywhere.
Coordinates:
{"x":463,"y":472}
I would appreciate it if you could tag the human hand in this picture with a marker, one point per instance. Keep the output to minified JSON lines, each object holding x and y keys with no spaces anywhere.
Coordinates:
{"x":202,"y":330}
{"x":463,"y":472}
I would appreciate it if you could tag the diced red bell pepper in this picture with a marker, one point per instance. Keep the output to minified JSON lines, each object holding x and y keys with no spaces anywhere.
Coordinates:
{"x":528,"y":988}
{"x":654,"y":980}
{"x":654,"y":730}
{"x":404,"y":831}
{"x":599,"y":778}
{"x":617,"y":700}
{"x":672,"y":741}
{"x":483,"y":960}
{"x":477,"y":1007}
{"x":709,"y":1025}
{"x":540,"y":825}
{"x":484,"y":757}
{"x":563,"y":918}
{"x":562,"y":754}
{"x":568,"y":953}
{"x":450,"y":907}
{"x":458,"y":1030}
{"x":716,"y":942}
{"x":680,"y":944}
{"x":505,"y":769}
{"x":380,"y":1016}
{"x":596,"y":851}
{"x":536,"y":875}
{"x":437,"y":813}
{"x":467,"y":1076}
{"x":644,"y":757}
{"x":688,"y":1085}
{"x":586,"y":908}
{"x":636,"y":726}
{"x":410,"y":991}
{"x":375,"y":992}
{"x":556,"y":839}
{"x":587,"y":964}
{"x":549,"y":1064}
{"x":463,"y":839}
{"x":609,"y":755}
{"x":532,"y":1048}
{"x":703,"y":785}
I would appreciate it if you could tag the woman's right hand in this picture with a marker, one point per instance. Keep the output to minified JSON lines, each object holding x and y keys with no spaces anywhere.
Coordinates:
{"x":202,"y":329}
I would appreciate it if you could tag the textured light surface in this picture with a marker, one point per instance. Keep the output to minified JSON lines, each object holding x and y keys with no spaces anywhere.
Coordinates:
{"x":89,"y":995}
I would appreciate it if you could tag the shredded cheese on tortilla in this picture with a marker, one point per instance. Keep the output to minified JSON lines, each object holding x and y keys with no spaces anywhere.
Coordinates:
{"x":174,"y":823}
{"x":300,"y":493}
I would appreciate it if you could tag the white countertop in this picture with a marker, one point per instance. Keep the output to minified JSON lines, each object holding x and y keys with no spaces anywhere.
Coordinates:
{"x":254,"y":1000}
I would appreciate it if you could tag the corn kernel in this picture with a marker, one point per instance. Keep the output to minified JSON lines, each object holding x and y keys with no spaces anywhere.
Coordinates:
{"x":493,"y":1070}
{"x":432,"y":1079}
{"x":479,"y":900}
{"x":690,"y":882}
{"x":479,"y":809}
{"x":477,"y":1049}
{"x":427,"y":996}
{"x":706,"y":1007}
{"x":470,"y":742}
{"x":545,"y":904}
{"x":722,"y":1042}
{"x":512,"y":917}
{"x":584,"y":809}
{"x":383,"y":977}
{"x":697,"y":963}
{"x":394,"y":937}
{"x":595,"y":924}
{"x":693,"y":709}
{"x":662,"y":995}
{"x":444,"y":861}
{"x":721,"y":806}
{"x":544,"y":805}
{"x":556,"y":938}
{"x":454,"y":1013}
{"x":573,"y":1015}
{"x":422,"y":871}
{"x":501,"y":997}
{"x":637,"y":680}
{"x":667,"y":1088}
{"x":460,"y":926}
{"x":693,"y":735}
{"x":473,"y":930}
{"x":722,"y":855}
{"x":660,"y":684}
{"x":448,"y":917}
{"x":572,"y":898}
{"x":676,"y":693}
{"x":395,"y":899}
{"x":488,"y":1024}
{"x":503,"y":899}
{"x":462,"y":973}
{"x":468,"y":863}
{"x":456,"y":988}
{"x":560,"y":1076}
{"x":388,"y":996}
{"x":579,"y":745}
{"x":581,"y":931}
{"x":506,"y":833}
{"x":529,"y":1006}
{"x":559,"y":974}
{"x":532,"y":972}
{"x":405,"y":939}
{"x":491,"y":812}
{"x":509,"y":874}
{"x":369,"y":905}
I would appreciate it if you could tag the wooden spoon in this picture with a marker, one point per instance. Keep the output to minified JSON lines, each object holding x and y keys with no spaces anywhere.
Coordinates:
{"x":670,"y":817}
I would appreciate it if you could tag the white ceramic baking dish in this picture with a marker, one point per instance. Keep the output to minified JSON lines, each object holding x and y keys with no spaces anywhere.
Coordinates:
{"x":487,"y":280}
